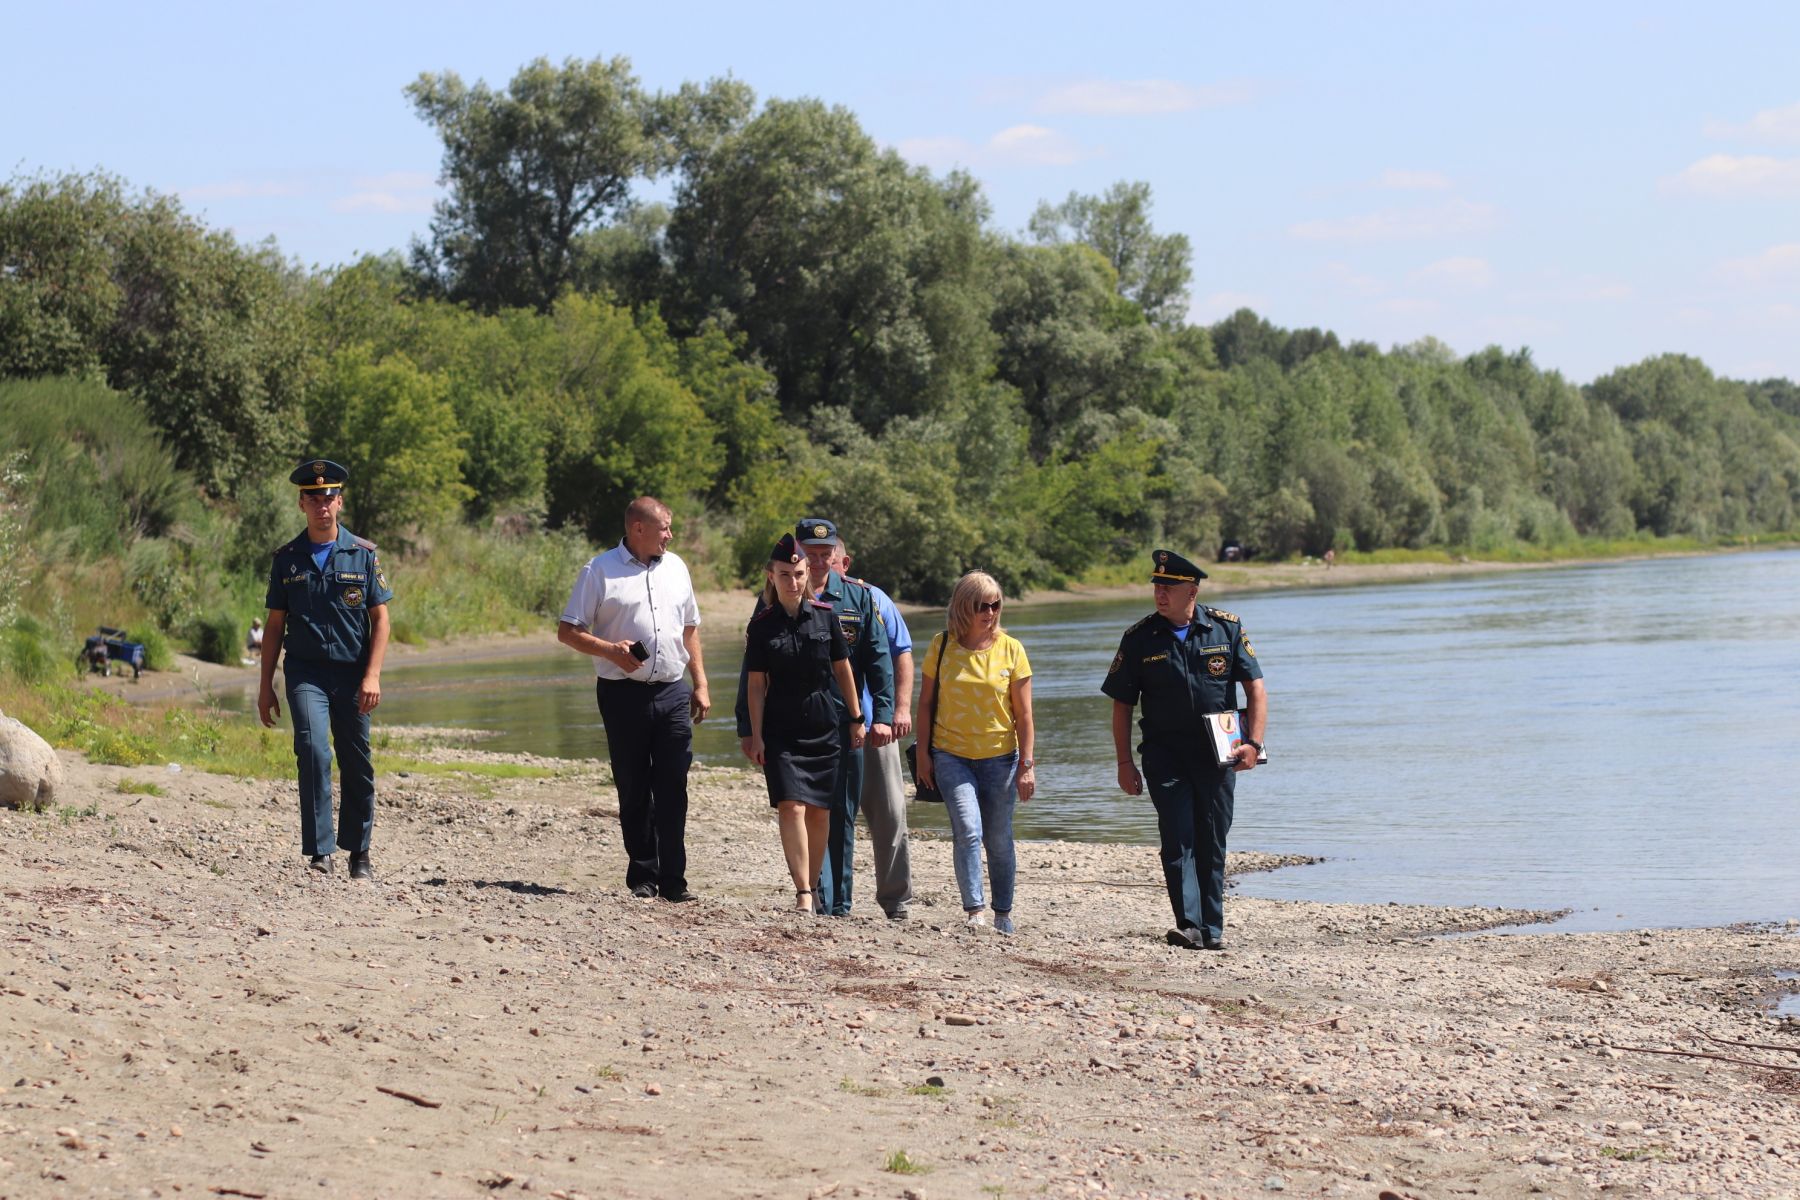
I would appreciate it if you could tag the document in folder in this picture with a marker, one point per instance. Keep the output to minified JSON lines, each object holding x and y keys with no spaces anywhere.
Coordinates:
{"x":1226,"y":729}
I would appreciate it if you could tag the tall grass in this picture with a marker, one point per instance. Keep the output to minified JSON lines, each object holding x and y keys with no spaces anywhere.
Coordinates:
{"x":465,"y":581}
{"x":110,"y":730}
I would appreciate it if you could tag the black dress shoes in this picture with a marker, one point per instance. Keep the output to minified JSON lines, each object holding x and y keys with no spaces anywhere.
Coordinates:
{"x":321,"y":863}
{"x":359,"y":866}
{"x":1187,"y":938}
{"x":644,"y":891}
{"x":682,"y":897}
{"x":1209,"y":942}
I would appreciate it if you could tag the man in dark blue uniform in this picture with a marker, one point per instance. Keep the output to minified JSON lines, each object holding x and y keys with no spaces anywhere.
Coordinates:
{"x":873,"y":670}
{"x":327,"y":603}
{"x":1182,"y":663}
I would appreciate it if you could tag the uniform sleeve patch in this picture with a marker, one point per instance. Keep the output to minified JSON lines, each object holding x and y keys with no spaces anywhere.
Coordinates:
{"x":1222,"y":615}
{"x":1249,"y":649}
{"x":1117,"y":662}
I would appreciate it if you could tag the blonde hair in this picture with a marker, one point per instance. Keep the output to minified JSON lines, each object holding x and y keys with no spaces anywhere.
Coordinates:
{"x":972,"y":589}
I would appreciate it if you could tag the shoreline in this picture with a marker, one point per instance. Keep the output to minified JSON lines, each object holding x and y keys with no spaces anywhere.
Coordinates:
{"x":191,"y":1007}
{"x":192,"y":675}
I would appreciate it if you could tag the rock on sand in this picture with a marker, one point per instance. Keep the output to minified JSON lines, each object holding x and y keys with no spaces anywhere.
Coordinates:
{"x":30,"y":772}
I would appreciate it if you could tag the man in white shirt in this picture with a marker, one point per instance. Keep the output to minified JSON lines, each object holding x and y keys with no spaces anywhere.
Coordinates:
{"x":633,"y":611}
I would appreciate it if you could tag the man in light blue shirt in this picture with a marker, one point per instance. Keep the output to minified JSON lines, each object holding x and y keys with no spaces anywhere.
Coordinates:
{"x":883,"y":784}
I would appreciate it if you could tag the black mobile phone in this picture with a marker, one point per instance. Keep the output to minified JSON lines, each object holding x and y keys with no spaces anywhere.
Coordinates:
{"x":638,"y":652}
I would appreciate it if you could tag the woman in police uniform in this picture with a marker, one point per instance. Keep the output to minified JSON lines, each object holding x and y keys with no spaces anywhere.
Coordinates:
{"x":327,"y":603}
{"x":794,"y":654}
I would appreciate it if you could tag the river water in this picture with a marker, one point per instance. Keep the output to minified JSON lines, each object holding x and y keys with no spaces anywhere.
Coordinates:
{"x":1618,"y":739}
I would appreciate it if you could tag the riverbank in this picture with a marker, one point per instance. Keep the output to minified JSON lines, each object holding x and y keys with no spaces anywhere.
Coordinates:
{"x":192,"y":678}
{"x":187,"y":1009}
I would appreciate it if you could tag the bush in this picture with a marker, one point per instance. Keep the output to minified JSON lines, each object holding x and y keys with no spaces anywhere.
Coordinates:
{"x":157,"y":654}
{"x":28,"y":652}
{"x":219,"y":638}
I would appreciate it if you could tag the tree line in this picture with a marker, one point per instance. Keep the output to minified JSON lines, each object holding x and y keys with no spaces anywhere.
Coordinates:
{"x":808,"y":323}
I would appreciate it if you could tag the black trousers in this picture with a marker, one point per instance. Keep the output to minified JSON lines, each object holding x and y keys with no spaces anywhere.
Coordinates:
{"x":650,"y":739}
{"x":1194,"y":800}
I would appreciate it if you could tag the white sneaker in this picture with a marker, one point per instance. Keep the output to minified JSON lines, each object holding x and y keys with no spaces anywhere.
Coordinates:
{"x":977,"y":919}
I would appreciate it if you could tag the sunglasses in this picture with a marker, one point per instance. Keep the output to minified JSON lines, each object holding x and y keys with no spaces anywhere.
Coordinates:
{"x":992,"y":606}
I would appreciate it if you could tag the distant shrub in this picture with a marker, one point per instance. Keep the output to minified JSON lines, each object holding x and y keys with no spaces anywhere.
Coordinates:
{"x":158,"y":656}
{"x":28,"y":652}
{"x":219,"y":637}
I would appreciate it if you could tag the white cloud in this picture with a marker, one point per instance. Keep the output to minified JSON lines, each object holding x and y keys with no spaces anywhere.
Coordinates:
{"x":1395,"y":179}
{"x":1216,"y":306}
{"x":1138,"y":97}
{"x":1400,"y":224}
{"x":1769,"y":125}
{"x":1731,"y":175}
{"x":406,"y":181}
{"x":239,"y":189}
{"x":1460,"y":272}
{"x":1776,"y":263}
{"x":1351,"y":280}
{"x":1403,"y":307}
{"x":1017,"y":145}
{"x":1035,"y":145}
{"x":393,"y":192}
{"x":1515,"y":328}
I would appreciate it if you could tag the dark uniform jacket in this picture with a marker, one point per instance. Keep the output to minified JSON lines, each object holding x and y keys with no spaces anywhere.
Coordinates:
{"x":1177,"y":683}
{"x":797,"y":654}
{"x":327,"y":611}
{"x":866,"y":637}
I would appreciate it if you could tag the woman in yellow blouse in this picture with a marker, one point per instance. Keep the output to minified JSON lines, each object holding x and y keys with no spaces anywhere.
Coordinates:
{"x":976,"y":741}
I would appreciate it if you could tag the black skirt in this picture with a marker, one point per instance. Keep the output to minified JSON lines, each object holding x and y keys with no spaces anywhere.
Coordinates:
{"x":804,"y":765}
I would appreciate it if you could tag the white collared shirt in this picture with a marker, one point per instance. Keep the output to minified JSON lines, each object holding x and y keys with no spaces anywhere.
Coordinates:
{"x":619,"y":599}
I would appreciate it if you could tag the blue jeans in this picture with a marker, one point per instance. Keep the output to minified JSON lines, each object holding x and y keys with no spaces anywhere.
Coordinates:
{"x":322,"y":705}
{"x":979,"y":797}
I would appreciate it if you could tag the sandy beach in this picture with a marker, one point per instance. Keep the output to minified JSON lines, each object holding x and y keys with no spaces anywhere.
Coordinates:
{"x":187,"y":1010}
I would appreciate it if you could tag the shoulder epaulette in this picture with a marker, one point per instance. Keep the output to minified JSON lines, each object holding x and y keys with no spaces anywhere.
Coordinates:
{"x":362,"y":543}
{"x":856,"y":581}
{"x":1222,"y":615}
{"x":1139,"y":624}
{"x":818,"y":603}
{"x":762,"y":610}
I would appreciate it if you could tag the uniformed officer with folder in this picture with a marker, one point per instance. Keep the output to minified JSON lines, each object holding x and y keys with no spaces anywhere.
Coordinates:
{"x":1181,"y":664}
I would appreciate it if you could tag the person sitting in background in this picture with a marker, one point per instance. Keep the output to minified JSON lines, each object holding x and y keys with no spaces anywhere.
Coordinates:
{"x":794,"y":655}
{"x":976,"y":740}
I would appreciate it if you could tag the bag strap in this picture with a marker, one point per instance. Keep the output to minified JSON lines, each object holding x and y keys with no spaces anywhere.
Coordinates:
{"x":937,"y":674}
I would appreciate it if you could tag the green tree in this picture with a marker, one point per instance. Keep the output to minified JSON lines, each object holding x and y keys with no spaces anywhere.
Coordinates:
{"x":855,"y":279}
{"x":1067,"y":341}
{"x":393,"y":427}
{"x":1153,"y":269}
{"x":207,"y":334}
{"x":620,"y":425}
{"x":532,"y":168}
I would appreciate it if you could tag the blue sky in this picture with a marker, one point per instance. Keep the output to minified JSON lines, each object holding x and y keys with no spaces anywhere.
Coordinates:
{"x":1599,"y":182}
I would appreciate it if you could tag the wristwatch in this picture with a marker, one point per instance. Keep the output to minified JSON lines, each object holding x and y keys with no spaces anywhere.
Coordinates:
{"x":1254,"y":742}
{"x":1025,"y":764}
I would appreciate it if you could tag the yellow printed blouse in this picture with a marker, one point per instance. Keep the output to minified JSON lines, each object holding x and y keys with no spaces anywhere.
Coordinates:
{"x":974,"y":716}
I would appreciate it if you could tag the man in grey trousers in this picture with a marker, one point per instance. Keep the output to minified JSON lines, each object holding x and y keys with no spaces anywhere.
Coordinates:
{"x":884,"y":784}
